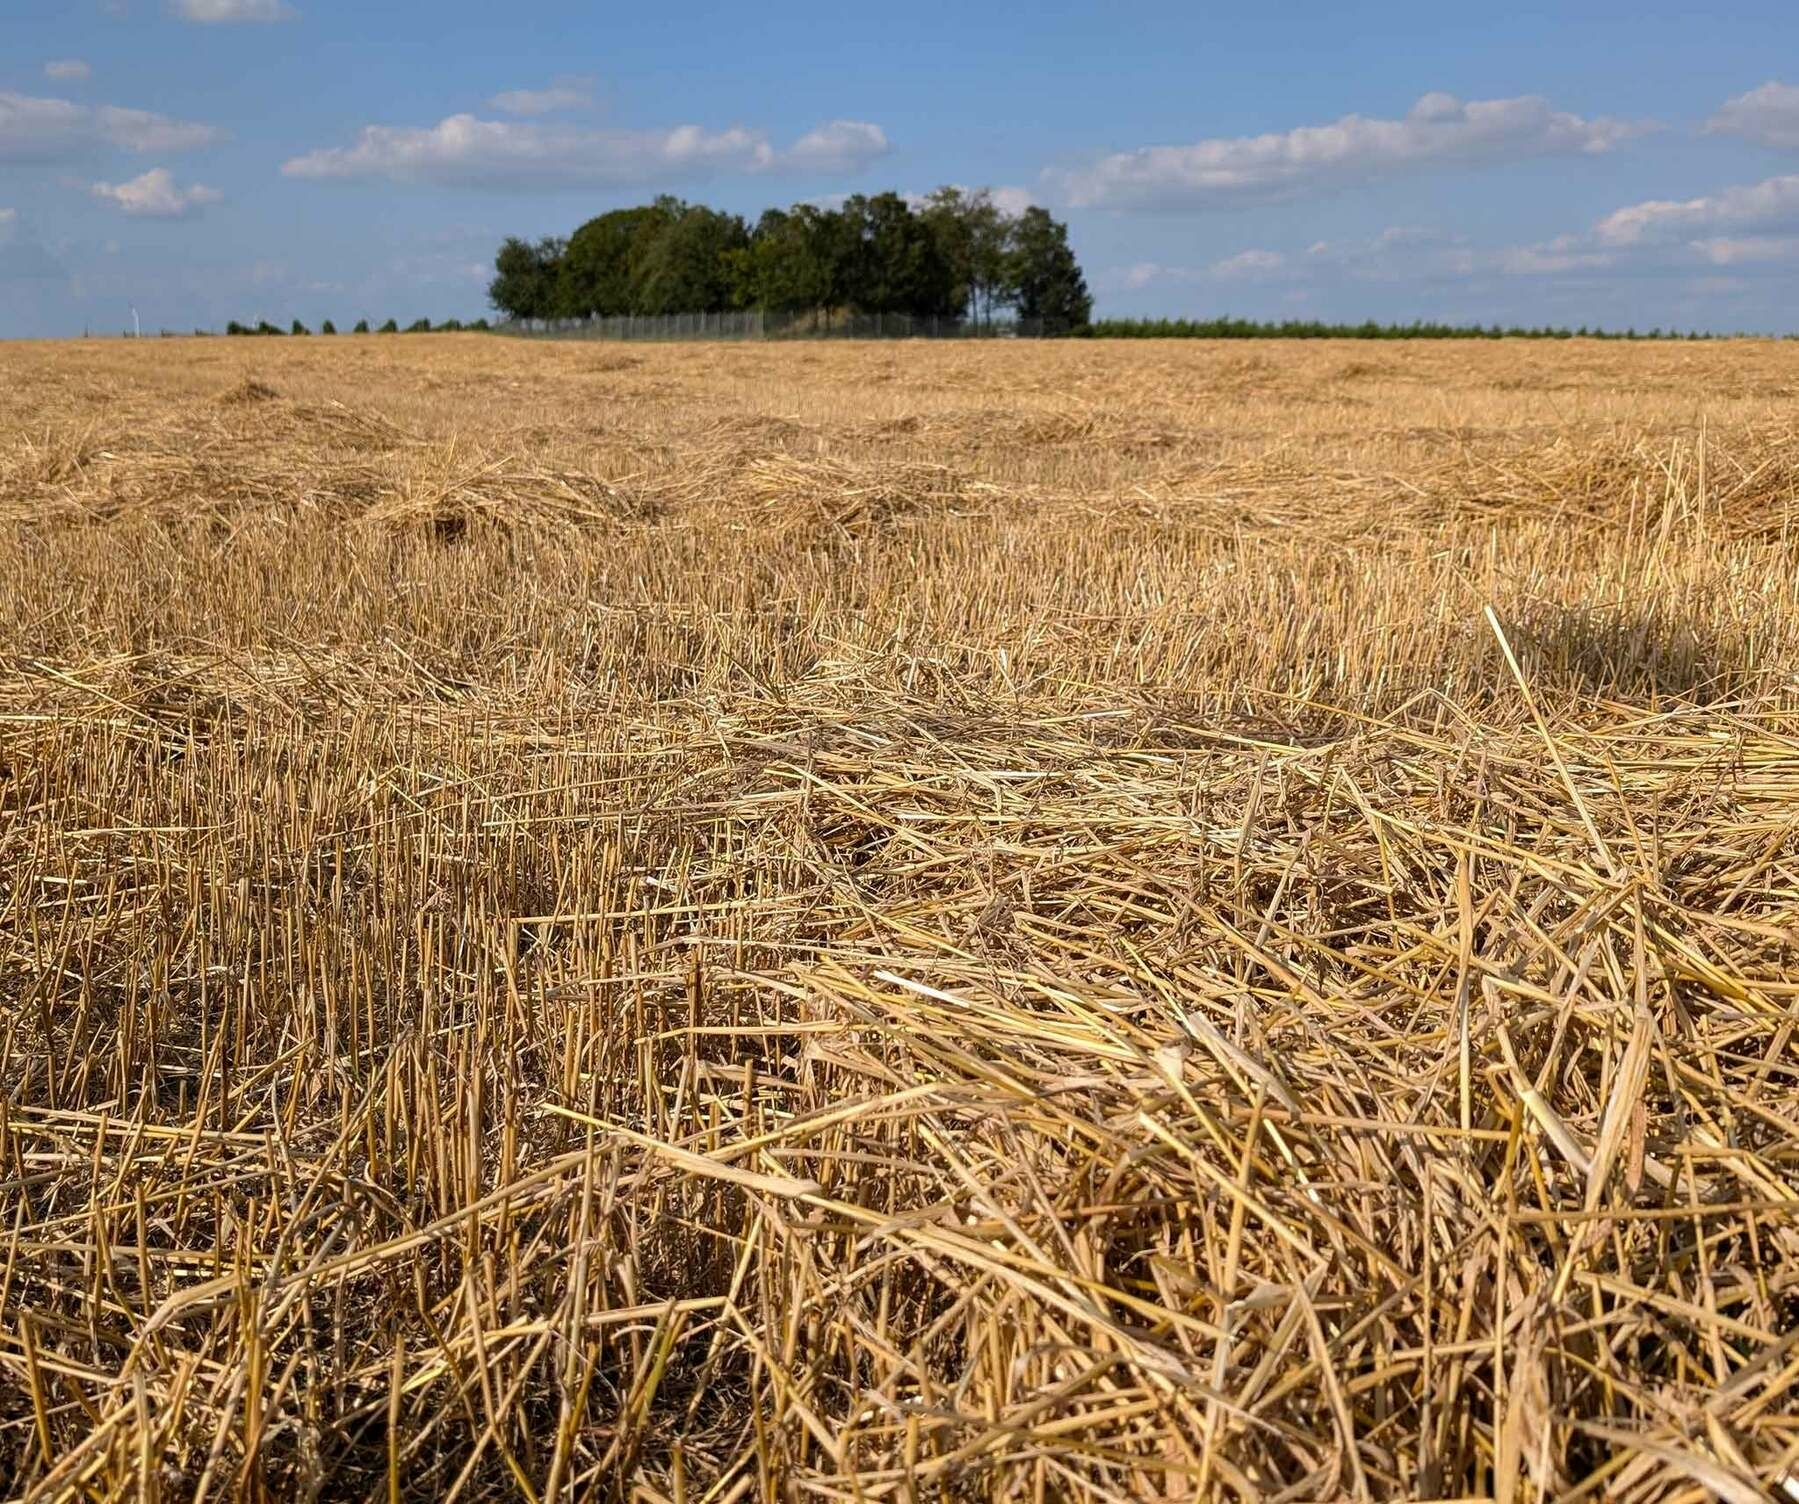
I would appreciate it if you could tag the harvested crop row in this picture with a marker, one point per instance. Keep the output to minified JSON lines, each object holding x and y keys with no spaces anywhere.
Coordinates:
{"x":713,"y":935}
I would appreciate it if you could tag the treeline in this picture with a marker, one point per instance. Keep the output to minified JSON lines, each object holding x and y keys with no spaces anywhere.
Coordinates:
{"x":418,"y":326}
{"x":1228,"y":328}
{"x":956,"y":255}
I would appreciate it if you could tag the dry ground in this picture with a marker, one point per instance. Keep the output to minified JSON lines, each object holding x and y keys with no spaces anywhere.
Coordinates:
{"x":898,"y":922}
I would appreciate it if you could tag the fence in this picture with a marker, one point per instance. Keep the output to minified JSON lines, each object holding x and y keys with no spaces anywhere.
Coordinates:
{"x":761,"y":324}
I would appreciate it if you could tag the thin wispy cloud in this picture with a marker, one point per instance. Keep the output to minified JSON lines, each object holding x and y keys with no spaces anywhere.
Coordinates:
{"x":156,"y":195}
{"x":232,"y":12}
{"x":1249,"y":265}
{"x":1439,"y":131}
{"x":1748,"y":250}
{"x":1768,"y":116}
{"x":68,"y":70}
{"x":468,"y":152}
{"x":46,"y":130}
{"x":1550,"y":258}
{"x":562,"y":96}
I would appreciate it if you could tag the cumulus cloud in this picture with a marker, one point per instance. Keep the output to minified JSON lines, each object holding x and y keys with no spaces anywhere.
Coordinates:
{"x":1440,"y":130}
{"x":42,"y":130}
{"x":1770,"y":204}
{"x":563,"y":96}
{"x":1768,"y":116}
{"x":837,"y":146}
{"x":156,"y":195}
{"x":225,"y":12}
{"x":68,"y":70}
{"x":464,"y":151}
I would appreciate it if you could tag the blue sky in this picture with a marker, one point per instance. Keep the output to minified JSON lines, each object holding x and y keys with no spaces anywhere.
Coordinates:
{"x":213,"y":159}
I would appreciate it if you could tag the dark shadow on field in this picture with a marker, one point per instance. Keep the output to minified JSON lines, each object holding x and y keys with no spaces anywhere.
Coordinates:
{"x":1625,"y":653}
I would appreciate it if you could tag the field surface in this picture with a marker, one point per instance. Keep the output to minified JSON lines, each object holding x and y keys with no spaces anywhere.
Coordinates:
{"x":899,"y":922}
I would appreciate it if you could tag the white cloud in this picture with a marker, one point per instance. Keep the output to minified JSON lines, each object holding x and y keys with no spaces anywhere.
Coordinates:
{"x":9,"y":217}
{"x":464,"y":151}
{"x":217,"y":12}
{"x":1007,"y":198}
{"x":440,"y":270}
{"x":68,"y":70}
{"x":1245,"y":266}
{"x":1771,"y":204}
{"x":1566,"y":253}
{"x":155,"y":195}
{"x":1768,"y":116}
{"x":1249,"y":264}
{"x":1402,"y":254}
{"x":1741,"y":250}
{"x":1440,"y":130}
{"x":564,"y":96}
{"x":838,"y":146}
{"x":1013,"y":200}
{"x":36,"y":129}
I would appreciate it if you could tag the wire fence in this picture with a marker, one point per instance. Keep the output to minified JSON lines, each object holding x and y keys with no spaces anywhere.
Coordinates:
{"x":755,"y":324}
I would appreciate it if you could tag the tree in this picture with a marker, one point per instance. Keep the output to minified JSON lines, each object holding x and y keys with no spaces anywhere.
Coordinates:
{"x":526,"y":277}
{"x":792,"y":261}
{"x":1044,"y":278}
{"x":688,"y":267}
{"x":419,"y":326}
{"x":327,"y":327}
{"x":390,"y":327}
{"x":894,"y":263}
{"x":604,"y":258}
{"x":299,"y":328}
{"x":971,"y":232}
{"x":362,"y":327}
{"x":958,"y":255}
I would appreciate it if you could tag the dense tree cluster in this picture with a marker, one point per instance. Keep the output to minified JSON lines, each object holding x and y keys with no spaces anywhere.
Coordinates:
{"x":956,"y":255}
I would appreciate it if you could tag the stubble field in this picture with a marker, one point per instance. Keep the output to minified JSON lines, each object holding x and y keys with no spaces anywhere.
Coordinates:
{"x":899,"y":922}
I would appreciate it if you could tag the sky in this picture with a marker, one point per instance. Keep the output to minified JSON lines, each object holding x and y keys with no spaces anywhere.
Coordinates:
{"x":1617,"y":163}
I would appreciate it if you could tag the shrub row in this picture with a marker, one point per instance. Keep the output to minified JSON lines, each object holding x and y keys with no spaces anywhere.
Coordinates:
{"x":419,"y":326}
{"x":1229,"y":328}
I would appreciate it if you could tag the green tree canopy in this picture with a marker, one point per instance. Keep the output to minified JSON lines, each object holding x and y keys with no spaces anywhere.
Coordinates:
{"x":1046,"y":280}
{"x":605,"y":258}
{"x":793,"y":261}
{"x":895,"y":265}
{"x":526,"y":276}
{"x":958,"y":254}
{"x":972,"y":236}
{"x":688,"y":266}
